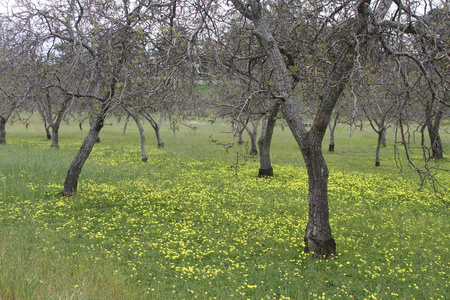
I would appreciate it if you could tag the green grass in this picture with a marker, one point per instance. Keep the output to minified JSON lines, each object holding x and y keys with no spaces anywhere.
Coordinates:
{"x":183,"y":227}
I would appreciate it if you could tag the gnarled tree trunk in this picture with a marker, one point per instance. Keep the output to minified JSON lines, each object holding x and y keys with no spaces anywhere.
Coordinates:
{"x":318,"y":238}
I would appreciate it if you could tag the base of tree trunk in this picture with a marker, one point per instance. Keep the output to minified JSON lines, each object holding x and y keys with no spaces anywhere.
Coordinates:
{"x":331,"y":148}
{"x":377,"y":164}
{"x":144,"y":159}
{"x":265,"y":173}
{"x":161,"y":145}
{"x":97,"y":140}
{"x":253,"y":152}
{"x":320,"y":249}
{"x":49,"y":136}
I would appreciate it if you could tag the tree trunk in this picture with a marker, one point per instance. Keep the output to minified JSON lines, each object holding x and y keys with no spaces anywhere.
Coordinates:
{"x":436,"y":143}
{"x":2,"y":131}
{"x":383,"y":138}
{"x":71,"y":182}
{"x":125,"y":125}
{"x":47,"y":131}
{"x":265,"y":140}
{"x":433,"y":128}
{"x":240,"y":129}
{"x":252,"y":134}
{"x":55,"y":136}
{"x":156,"y":127}
{"x":318,"y":238}
{"x":379,"y":142}
{"x":141,"y":133}
{"x":332,"y":129}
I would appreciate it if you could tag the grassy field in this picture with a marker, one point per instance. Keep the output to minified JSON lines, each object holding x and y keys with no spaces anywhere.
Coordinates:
{"x":183,"y":226}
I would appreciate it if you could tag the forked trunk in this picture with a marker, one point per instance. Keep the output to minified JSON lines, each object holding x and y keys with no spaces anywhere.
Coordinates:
{"x":71,"y":182}
{"x":156,"y":127}
{"x":2,"y":130}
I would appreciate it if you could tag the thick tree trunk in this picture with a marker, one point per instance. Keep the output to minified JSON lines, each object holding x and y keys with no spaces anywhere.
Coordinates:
{"x":71,"y":182}
{"x":265,"y":140}
{"x":318,"y":238}
{"x":55,"y":136}
{"x":2,"y":130}
{"x":436,"y":144}
{"x":383,"y":138}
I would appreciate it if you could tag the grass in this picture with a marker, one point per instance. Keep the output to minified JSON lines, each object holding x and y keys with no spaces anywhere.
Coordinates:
{"x":183,"y":227}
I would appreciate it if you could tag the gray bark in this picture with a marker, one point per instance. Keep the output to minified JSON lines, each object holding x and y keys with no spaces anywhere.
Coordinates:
{"x":265,"y":140}
{"x":253,"y":134}
{"x":141,"y":133}
{"x":318,"y":238}
{"x":2,"y":130}
{"x":73,"y":174}
{"x":156,"y":126}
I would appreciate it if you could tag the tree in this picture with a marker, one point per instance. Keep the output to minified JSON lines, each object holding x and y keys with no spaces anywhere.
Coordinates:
{"x":16,"y":86}
{"x":345,"y":27}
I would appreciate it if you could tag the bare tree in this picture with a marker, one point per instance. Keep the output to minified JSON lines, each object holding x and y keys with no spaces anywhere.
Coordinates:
{"x":350,"y":28}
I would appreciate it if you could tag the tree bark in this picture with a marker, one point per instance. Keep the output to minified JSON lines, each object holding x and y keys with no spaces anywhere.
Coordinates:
{"x":379,"y":142}
{"x":318,"y":238}
{"x":240,"y":130}
{"x":2,"y":130}
{"x":383,"y":139}
{"x":252,"y":134}
{"x":73,"y":174}
{"x":55,"y":136}
{"x":437,"y":149}
{"x":332,"y":129}
{"x":141,"y":133}
{"x":265,"y":140}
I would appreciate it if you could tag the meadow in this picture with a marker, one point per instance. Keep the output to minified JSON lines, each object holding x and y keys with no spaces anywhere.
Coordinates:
{"x":184,"y":226}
